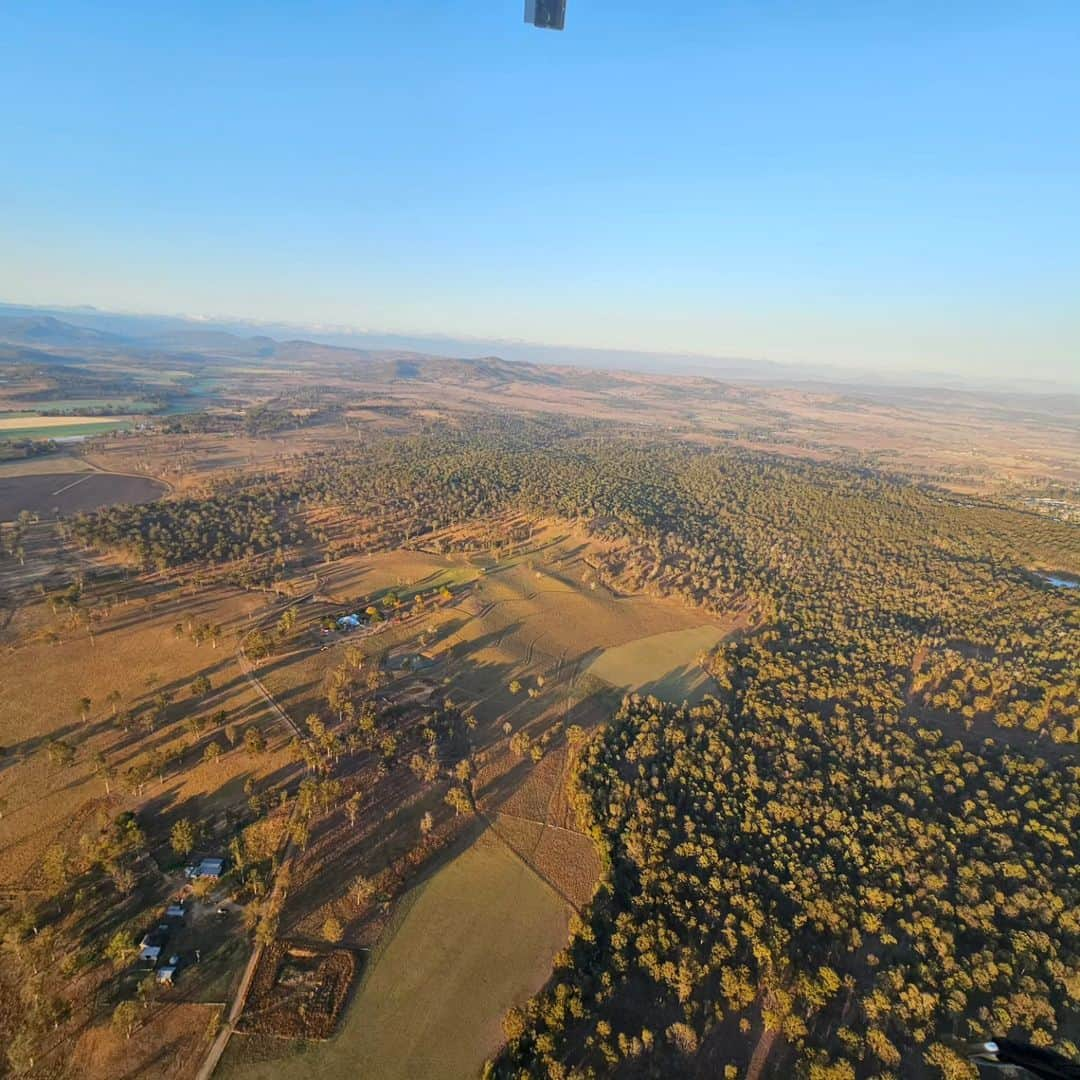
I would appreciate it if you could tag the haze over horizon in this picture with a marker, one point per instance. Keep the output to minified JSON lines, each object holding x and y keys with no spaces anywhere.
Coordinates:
{"x":880,"y":190}
{"x":147,"y":326}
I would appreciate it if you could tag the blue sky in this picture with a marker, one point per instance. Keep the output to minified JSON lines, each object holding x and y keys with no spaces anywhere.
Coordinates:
{"x":885,"y":185}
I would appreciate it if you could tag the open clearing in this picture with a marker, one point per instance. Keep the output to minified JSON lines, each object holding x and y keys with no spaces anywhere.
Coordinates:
{"x":661,"y":664}
{"x":466,"y":945}
{"x":69,"y":493}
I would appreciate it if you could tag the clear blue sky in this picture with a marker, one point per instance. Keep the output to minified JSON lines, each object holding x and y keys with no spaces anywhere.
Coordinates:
{"x":887,"y":184}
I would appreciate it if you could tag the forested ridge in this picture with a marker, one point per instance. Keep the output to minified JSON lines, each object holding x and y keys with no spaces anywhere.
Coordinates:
{"x":831,"y":848}
{"x":866,"y":888}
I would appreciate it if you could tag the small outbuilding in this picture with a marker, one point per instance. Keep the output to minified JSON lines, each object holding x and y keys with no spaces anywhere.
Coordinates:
{"x":149,"y":954}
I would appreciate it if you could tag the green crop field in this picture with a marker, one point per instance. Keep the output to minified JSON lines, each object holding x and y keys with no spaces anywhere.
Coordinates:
{"x":475,"y":939}
{"x":61,"y":431}
{"x":116,"y":404}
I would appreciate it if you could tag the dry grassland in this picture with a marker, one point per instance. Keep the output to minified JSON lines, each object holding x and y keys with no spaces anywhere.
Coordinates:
{"x":136,"y":652}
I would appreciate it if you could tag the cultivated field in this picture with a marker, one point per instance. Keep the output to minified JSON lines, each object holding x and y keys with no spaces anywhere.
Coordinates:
{"x":116,"y":406}
{"x":58,"y":427}
{"x":48,"y":495}
{"x":476,"y":938}
{"x":46,"y":464}
{"x":10,"y":423}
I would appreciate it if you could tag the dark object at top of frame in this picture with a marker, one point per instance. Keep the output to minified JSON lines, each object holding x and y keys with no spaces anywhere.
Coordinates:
{"x":547,"y":14}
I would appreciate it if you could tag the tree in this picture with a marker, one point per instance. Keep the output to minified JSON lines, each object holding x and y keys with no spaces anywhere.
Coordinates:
{"x":254,"y":741}
{"x":513,"y":1024}
{"x":124,"y":878}
{"x":332,"y":929}
{"x":121,"y":949}
{"x":458,"y":798}
{"x":60,"y":753}
{"x":257,"y":646}
{"x":23,"y":1049}
{"x":363,"y":890}
{"x":300,"y":832}
{"x":212,"y":753}
{"x":950,"y":1064}
{"x":286,"y":622}
{"x":104,"y":771}
{"x":427,"y":823}
{"x":238,"y":852}
{"x":55,"y":867}
{"x":203,"y":887}
{"x":200,"y":686}
{"x":113,"y":698}
{"x":147,"y":990}
{"x":182,"y":837}
{"x":82,"y":707}
{"x":125,"y":1018}
{"x":162,"y":701}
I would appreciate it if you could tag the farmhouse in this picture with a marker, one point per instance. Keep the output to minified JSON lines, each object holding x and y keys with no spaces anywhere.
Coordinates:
{"x":208,"y":868}
{"x":151,"y":945}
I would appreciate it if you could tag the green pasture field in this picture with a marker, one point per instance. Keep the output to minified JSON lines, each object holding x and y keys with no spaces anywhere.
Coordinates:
{"x":475,"y":939}
{"x":116,"y":404}
{"x":61,"y":431}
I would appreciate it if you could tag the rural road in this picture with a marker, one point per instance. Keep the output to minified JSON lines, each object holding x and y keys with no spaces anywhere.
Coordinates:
{"x":221,"y":1040}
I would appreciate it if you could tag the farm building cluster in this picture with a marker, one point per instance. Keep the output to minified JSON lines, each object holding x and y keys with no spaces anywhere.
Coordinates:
{"x":153,"y":945}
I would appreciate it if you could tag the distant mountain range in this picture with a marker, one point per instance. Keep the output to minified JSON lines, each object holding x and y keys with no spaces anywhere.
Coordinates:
{"x":89,"y":328}
{"x":45,"y":330}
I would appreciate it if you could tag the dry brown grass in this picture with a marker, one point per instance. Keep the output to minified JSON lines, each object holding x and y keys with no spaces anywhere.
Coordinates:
{"x":135,"y":652}
{"x":169,"y":1046}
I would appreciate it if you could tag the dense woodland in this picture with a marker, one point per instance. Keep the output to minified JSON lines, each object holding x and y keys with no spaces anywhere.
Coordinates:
{"x":215,"y":529}
{"x":867,"y":888}
{"x":831,"y":849}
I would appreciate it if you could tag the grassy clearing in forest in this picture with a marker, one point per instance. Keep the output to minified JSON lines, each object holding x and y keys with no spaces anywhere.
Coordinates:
{"x":661,"y":664}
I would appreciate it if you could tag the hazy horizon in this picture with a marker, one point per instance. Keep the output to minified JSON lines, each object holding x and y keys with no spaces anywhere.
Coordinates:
{"x":146,"y":324}
{"x":847,"y":188}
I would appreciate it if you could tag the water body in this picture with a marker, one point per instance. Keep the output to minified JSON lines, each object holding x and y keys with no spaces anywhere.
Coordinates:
{"x":1060,"y":582}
